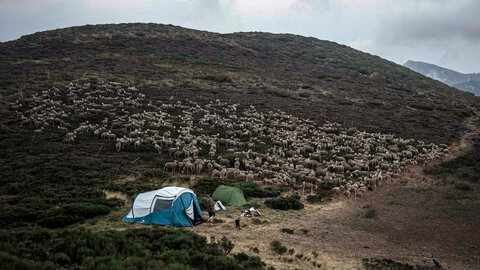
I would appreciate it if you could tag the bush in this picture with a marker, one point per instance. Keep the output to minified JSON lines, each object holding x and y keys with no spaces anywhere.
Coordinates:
{"x":61,"y":258}
{"x":277,"y":247}
{"x":317,"y":198}
{"x":206,"y":186}
{"x":463,"y":186}
{"x":135,"y":249}
{"x":226,"y":245}
{"x":217,"y":78}
{"x":370,"y":213}
{"x":86,"y":210}
{"x":377,"y":264}
{"x":249,"y":262}
{"x":455,"y":195}
{"x":278,"y":92}
{"x":287,"y":230}
{"x":252,"y":189}
{"x":299,"y":256}
{"x":10,"y":262}
{"x":291,"y":251}
{"x":285,"y":203}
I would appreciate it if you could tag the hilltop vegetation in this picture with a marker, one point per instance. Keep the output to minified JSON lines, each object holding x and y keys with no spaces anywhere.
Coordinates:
{"x":317,"y":79}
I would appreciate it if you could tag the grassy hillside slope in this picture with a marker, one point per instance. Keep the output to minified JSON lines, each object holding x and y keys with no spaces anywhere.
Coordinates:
{"x":308,"y":77}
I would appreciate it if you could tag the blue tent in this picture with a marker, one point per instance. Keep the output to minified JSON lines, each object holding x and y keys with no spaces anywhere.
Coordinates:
{"x":174,"y":206}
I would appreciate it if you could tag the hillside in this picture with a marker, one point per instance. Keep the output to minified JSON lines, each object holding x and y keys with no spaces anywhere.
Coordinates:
{"x":94,"y":115}
{"x":465,"y":82}
{"x":308,"y":77}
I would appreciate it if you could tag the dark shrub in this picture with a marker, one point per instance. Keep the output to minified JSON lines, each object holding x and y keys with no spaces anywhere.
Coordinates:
{"x":285,"y":203}
{"x":86,"y":210}
{"x":249,"y":262}
{"x":252,"y":189}
{"x":135,"y":249}
{"x":370,"y":213}
{"x":277,"y":247}
{"x":377,"y":264}
{"x":10,"y":262}
{"x":317,"y":198}
{"x":463,"y":186}
{"x":61,"y":258}
{"x":58,"y":217}
{"x":287,"y":230}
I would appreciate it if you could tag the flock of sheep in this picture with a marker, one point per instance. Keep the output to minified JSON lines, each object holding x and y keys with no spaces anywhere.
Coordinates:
{"x":225,"y":140}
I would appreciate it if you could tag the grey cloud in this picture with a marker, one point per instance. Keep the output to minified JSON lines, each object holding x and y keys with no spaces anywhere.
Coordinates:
{"x":438,"y":20}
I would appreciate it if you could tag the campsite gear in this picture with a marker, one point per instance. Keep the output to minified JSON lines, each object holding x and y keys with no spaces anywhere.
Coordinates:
{"x":174,"y":206}
{"x":237,"y":223}
{"x":219,"y":206}
{"x":229,"y":195}
{"x":251,"y":212}
{"x":246,"y":213}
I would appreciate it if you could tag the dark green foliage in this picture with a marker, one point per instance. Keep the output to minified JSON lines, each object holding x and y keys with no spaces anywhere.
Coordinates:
{"x":463,"y":186}
{"x":370,"y":213}
{"x":299,"y":256}
{"x":252,"y":189}
{"x":71,"y":213}
{"x":11,"y":262}
{"x":217,"y":78}
{"x":249,"y":262}
{"x":278,"y":92}
{"x":422,"y":106}
{"x":317,"y":198}
{"x":138,"y":248}
{"x":455,"y":194}
{"x":388,"y":264}
{"x":291,"y":251}
{"x":206,"y":186}
{"x":277,"y":247}
{"x":287,"y":230}
{"x":226,"y":245}
{"x":285,"y":203}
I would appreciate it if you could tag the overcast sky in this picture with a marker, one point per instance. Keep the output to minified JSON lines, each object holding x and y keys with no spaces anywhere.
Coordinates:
{"x":442,"y":32}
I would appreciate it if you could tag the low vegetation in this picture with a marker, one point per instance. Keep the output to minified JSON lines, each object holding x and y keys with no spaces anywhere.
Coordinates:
{"x":277,"y":247}
{"x":317,"y":198}
{"x":36,"y":248}
{"x":285,"y":203}
{"x":388,"y":264}
{"x":465,"y":168}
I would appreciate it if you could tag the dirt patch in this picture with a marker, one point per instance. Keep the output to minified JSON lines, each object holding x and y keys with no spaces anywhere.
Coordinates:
{"x":116,"y":194}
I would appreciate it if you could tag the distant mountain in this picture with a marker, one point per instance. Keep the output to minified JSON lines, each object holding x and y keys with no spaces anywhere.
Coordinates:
{"x":465,"y":82}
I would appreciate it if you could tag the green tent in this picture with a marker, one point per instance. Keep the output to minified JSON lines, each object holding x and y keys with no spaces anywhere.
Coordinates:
{"x":229,"y":195}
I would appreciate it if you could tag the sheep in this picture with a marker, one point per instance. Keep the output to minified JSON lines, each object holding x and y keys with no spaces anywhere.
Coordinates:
{"x":158,"y":148}
{"x":170,"y":166}
{"x":293,"y":149}
{"x":225,"y":162}
{"x":137,"y":144}
{"x":118,"y":146}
